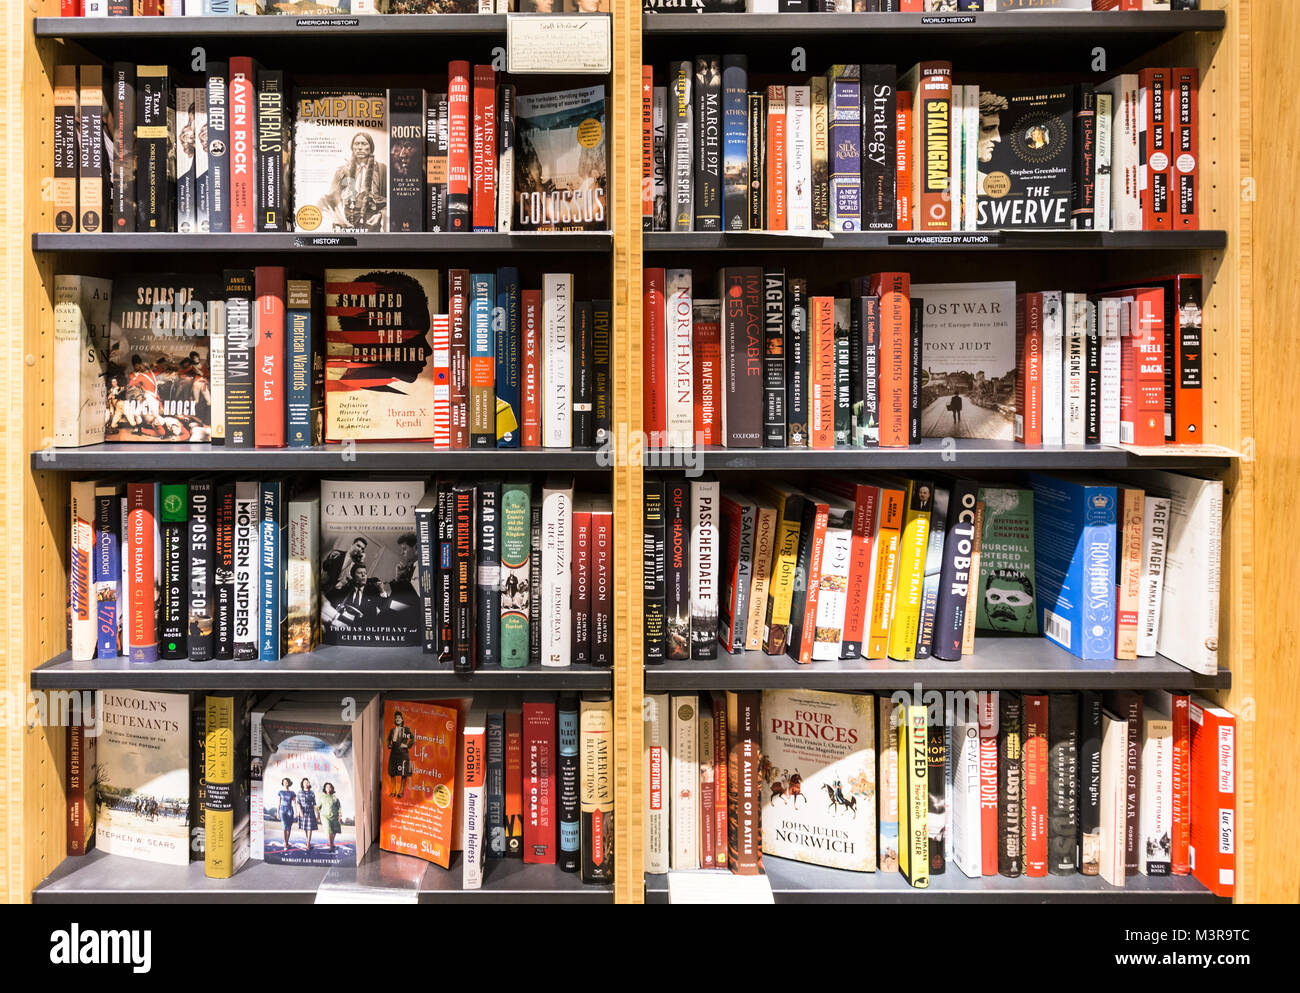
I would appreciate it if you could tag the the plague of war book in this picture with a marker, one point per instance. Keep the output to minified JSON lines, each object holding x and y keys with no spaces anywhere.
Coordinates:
{"x":340,"y":147}
{"x":370,"y":562}
{"x":561,"y":178}
{"x":1026,"y":158}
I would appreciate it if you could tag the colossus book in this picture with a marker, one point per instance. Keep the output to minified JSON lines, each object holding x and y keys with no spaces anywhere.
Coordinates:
{"x":340,"y":151}
{"x":1026,"y":158}
{"x":561,"y":174}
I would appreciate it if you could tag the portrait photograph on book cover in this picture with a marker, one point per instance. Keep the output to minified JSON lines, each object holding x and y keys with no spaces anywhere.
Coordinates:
{"x":308,"y":797}
{"x":340,"y":176}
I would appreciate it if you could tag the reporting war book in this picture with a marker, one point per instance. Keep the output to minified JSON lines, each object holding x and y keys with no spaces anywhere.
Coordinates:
{"x":561,"y":177}
{"x":1026,"y":158}
{"x":340,"y":147}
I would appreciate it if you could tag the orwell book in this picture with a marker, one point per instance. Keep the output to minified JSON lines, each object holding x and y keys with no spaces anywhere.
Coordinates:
{"x":370,"y":583}
{"x":340,"y":151}
{"x":561,"y":179}
{"x":157,"y":373}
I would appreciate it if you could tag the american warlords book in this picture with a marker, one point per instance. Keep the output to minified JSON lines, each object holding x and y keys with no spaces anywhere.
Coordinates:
{"x":1026,"y":158}
{"x":818,"y":778}
{"x":340,"y":151}
{"x":968,"y":360}
{"x":369,"y":582}
{"x":379,"y":374}
{"x":158,"y":380}
{"x":561,"y":177}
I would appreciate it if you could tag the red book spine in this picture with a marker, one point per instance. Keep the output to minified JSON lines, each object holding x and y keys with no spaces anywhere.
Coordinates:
{"x":268,"y":415}
{"x":152,"y":8}
{"x":243,"y":125}
{"x":707,"y":347}
{"x":81,"y":798}
{"x":776,"y":159}
{"x":735,"y":626}
{"x":458,"y":146}
{"x":894,"y":367}
{"x":1185,"y":149}
{"x":933,"y":102}
{"x":458,"y":309}
{"x":655,"y":359}
{"x":720,"y":780}
{"x":1029,"y":368}
{"x":1213,"y":831}
{"x":821,"y":373}
{"x":988,"y":803}
{"x":141,"y":548}
{"x":903,"y":145}
{"x":912,"y":6}
{"x":1181,"y":792}
{"x":1035,"y":784}
{"x":70,"y":8}
{"x":532,"y":368}
{"x":539,"y":782}
{"x":580,"y":573}
{"x":808,"y":630}
{"x":602,"y":587}
{"x":858,"y":603}
{"x":1105,"y":4}
{"x":1155,"y":201}
{"x":647,"y":148}
{"x":485,"y":143}
{"x":1142,"y":370}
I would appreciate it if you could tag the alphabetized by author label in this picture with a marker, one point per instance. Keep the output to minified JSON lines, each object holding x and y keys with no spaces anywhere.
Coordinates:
{"x":325,"y":241}
{"x":990,"y":238}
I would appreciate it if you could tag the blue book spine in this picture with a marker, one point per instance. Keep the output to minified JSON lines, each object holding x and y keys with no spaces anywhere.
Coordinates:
{"x":482,"y":373}
{"x":107,"y":573}
{"x":496,"y":785}
{"x":271,"y":570}
{"x":218,"y":174}
{"x":567,"y":785}
{"x":1075,"y":551}
{"x":218,"y":8}
{"x":506,"y":329}
{"x":735,"y":143}
{"x":305,"y":399}
{"x":846,"y":149}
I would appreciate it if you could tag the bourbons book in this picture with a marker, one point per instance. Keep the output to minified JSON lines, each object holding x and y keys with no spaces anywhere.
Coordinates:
{"x":561,"y":178}
{"x":340,"y":147}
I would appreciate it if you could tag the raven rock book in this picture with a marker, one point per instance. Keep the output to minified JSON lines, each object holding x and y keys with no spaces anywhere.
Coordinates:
{"x":561,"y":178}
{"x":1026,"y":158}
{"x":340,"y":147}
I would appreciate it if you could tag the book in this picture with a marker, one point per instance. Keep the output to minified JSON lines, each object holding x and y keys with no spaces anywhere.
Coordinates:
{"x":340,"y":171}
{"x":83,"y":779}
{"x":930,"y":84}
{"x":684,"y":830}
{"x":596,"y":788}
{"x":655,"y":751}
{"x":1114,"y":751}
{"x":1155,"y":818}
{"x":226,"y":814}
{"x":705,"y":566}
{"x":561,"y":175}
{"x":741,"y":374}
{"x":1010,"y":784}
{"x":82,"y":343}
{"x":483,"y":159}
{"x":735,"y":143}
{"x":1006,"y":592}
{"x":879,"y":153}
{"x":1213,"y":843}
{"x":301,"y":583}
{"x":568,"y":742}
{"x":557,"y":573}
{"x":1026,"y":158}
{"x":913,"y":796}
{"x":155,"y":128}
{"x":539,"y":780}
{"x":1062,"y":783}
{"x":407,"y":162}
{"x":515,"y":588}
{"x":744,"y":783}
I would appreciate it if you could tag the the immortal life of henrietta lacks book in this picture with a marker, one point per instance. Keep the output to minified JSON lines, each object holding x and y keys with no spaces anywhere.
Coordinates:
{"x":417,"y":807}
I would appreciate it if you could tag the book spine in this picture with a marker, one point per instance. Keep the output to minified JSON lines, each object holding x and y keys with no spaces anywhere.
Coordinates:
{"x":602,"y":585}
{"x":81,"y":788}
{"x":602,"y":319}
{"x":915,"y":351}
{"x":1155,"y":120}
{"x":708,"y":143}
{"x":988,"y":713}
{"x":583,"y":419}
{"x":223,"y":601}
{"x":474,"y":762}
{"x":678,"y":362}
{"x":865,"y":386}
{"x":705,"y":508}
{"x":1052,"y":369}
{"x":464,"y":506}
{"x":893,"y":289}
{"x":1185,"y":150}
{"x":94,"y":193}
{"x":557,"y":577}
{"x":933,"y":568}
{"x":246,"y":612}
{"x":913,"y":797}
{"x":557,"y":360}
{"x":458,"y":146}
{"x":243,"y":143}
{"x":1083,"y":200}
{"x":681,"y":147}
{"x":720,"y":788}
{"x":887,"y":784}
{"x":741,"y":290}
{"x":659,"y":159}
{"x":904,"y":199}
{"x":684,"y":832}
{"x":1180,"y":784}
{"x":735,"y":143}
{"x":514,"y":782}
{"x":879,"y":154}
{"x":1128,"y":601}
{"x":580,"y":568}
{"x":141,"y":545}
{"x":426,"y":541}
{"x":738,"y":519}
{"x":506,"y":141}
{"x":1092,"y":375}
{"x":774,"y":372}
{"x":1029,"y":363}
{"x":655,"y":371}
{"x":798,"y":158}
{"x":435,"y":162}
{"x":81,"y":550}
{"x":647,"y":148}
{"x":484,"y":149}
{"x":482,"y":362}
{"x":821,"y":172}
{"x":535,"y":579}
{"x":107,"y":573}
{"x":655,"y":751}
{"x":174,"y":518}
{"x":843,"y":403}
{"x":1089,"y":804}
{"x":569,"y":851}
{"x":1213,"y":827}
{"x":217,"y":179}
{"x":858,"y":589}
{"x":1142,"y":365}
{"x":955,"y":577}
{"x":305,"y":364}
{"x":807,"y":580}
{"x":1155,"y":834}
{"x":885,"y":572}
{"x":406,"y":150}
{"x":744,"y":786}
{"x":1103,"y":164}
{"x":1184,"y":341}
{"x":777,"y":166}
{"x":155,"y":170}
{"x":937,"y":815}
{"x":1062,"y":783}
{"x":269,"y":376}
{"x":515,"y":563}
{"x":796,"y":364}
{"x":488,"y":575}
{"x":445,"y":556}
{"x":241,"y":309}
{"x":1155,"y":543}
{"x":845,"y":149}
{"x":757,"y":160}
{"x":653,"y":563}
{"x":1010,"y":785}
{"x":676,"y":570}
{"x":704,"y":782}
{"x":496,"y":784}
{"x":269,"y":157}
{"x":507,"y":331}
{"x":122,"y":104}
{"x":596,"y":790}
{"x":222,"y":725}
{"x":532,"y":369}
{"x":911,"y":578}
{"x":272,"y":557}
{"x":933,"y":109}
{"x":821,"y":375}
{"x":458,"y":289}
{"x":1074,"y":427}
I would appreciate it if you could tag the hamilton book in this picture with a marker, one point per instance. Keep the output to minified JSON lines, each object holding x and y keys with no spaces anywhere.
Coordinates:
{"x":340,"y":151}
{"x":561,"y":176}
{"x":1026,"y":158}
{"x":370,"y":583}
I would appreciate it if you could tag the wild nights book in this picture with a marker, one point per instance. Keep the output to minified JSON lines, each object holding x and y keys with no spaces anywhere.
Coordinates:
{"x":561,"y":178}
{"x":340,"y":147}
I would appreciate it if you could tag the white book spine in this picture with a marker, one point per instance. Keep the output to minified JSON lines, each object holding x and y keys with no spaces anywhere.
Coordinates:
{"x":1110,"y":319}
{"x":81,"y":316}
{"x":1104,"y":163}
{"x":656,"y":739}
{"x":1155,"y":812}
{"x":832,"y":594}
{"x":557,"y":359}
{"x":677,"y":340}
{"x":798,"y":158}
{"x":1189,"y":627}
{"x":217,"y":365}
{"x":557,"y":583}
{"x":761,"y":6}
{"x":706,"y":506}
{"x":685,"y":832}
{"x":1053,"y":330}
{"x":1074,"y":371}
{"x":1114,"y":765}
{"x":1155,"y":538}
{"x":1126,"y":175}
{"x":256,"y":825}
{"x":956,"y":158}
{"x":247,"y":505}
{"x":80,"y":588}
{"x":474,"y":762}
{"x":442,"y":384}
{"x":505,"y":186}
{"x":964,"y":804}
{"x":970,"y":152}
{"x":96,"y":8}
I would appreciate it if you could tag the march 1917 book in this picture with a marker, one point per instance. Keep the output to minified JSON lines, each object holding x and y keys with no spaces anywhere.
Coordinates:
{"x":340,"y":147}
{"x":561,"y":176}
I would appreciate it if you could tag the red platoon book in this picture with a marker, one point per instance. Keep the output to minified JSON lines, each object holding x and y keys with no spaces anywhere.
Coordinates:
{"x":1156,"y":213}
{"x":531,"y":373}
{"x":1034,"y":760}
{"x":741,"y":292}
{"x":988,"y":721}
{"x":744,"y":786}
{"x":719,"y":779}
{"x":821,"y":372}
{"x":1029,"y":369}
{"x":602,"y":584}
{"x":458,"y":146}
{"x":243,"y":128}
{"x":269,"y":374}
{"x":903,"y":161}
{"x":647,"y":148}
{"x":706,"y":784}
{"x":1213,"y":830}
{"x":539,"y":758}
{"x":808,"y":578}
{"x":932,"y":137}
{"x":485,"y":144}
{"x":580,"y":577}
{"x":1142,"y":366}
{"x":894,"y":367}
{"x":1185,"y":148}
{"x":707,"y":348}
{"x":458,"y":311}
{"x":655,"y":358}
{"x":857,"y":607}
{"x":142,"y":557}
{"x":776,"y":158}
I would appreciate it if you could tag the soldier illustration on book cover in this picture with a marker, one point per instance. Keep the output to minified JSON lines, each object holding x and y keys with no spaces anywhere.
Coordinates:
{"x":561,"y":177}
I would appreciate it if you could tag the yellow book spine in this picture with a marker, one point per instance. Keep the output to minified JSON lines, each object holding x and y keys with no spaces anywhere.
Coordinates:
{"x":913,"y":798}
{"x":911,"y":580}
{"x":219,"y":775}
{"x":782,"y":582}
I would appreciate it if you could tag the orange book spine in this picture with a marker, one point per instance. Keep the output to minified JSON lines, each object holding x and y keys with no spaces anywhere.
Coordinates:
{"x":485,"y":146}
{"x":821,"y":378}
{"x":531,"y":303}
{"x":903,"y":145}
{"x":1029,"y":369}
{"x":888,"y":540}
{"x":932,"y":137}
{"x":720,"y":780}
{"x":654,"y":359}
{"x":647,"y":148}
{"x":808,"y":629}
{"x":894,"y":367}
{"x":268,"y":415}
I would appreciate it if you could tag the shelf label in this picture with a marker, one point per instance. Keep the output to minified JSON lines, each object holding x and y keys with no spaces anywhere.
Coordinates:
{"x":711,"y":886}
{"x":325,"y":241}
{"x":557,"y":43}
{"x":947,"y":19}
{"x":956,"y":238}
{"x":327,"y":22}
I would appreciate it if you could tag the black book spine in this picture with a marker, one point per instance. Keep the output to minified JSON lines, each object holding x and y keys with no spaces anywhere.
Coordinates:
{"x":681,"y":148}
{"x":488,"y":574}
{"x":1062,"y":783}
{"x":807,"y":513}
{"x":1083,"y":194}
{"x":535,"y":581}
{"x":568,"y":851}
{"x":652,"y":551}
{"x":1089,"y":840}
{"x":464,"y":500}
{"x":602,"y":319}
{"x":123,"y":104}
{"x":93,"y":167}
{"x":843,"y":404}
{"x":1010,"y":797}
{"x":223,"y":601}
{"x":584,"y":421}
{"x":218,"y":176}
{"x":936,"y":824}
{"x":796,"y":363}
{"x":741,"y":292}
{"x":175,"y":583}
{"x":446,"y":525}
{"x":155,"y":170}
{"x":757,"y":144}
{"x":916,"y":351}
{"x":202,"y":569}
{"x":425,"y":521}
{"x":271,"y":137}
{"x":240,"y":312}
{"x":774,"y":359}
{"x":1092,"y":376}
{"x":435,"y":161}
{"x":406,"y":148}
{"x":879,"y":147}
{"x":677,"y":569}
{"x":866,"y":421}
{"x":955,"y":573}
{"x":708,"y":143}
{"x":735,"y":171}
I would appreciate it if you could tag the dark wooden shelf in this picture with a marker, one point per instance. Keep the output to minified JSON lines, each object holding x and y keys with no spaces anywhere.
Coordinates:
{"x":296,"y":243}
{"x":955,"y":241}
{"x":370,"y":27}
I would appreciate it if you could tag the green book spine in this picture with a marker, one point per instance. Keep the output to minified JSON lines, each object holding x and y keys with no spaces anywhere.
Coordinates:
{"x":174,"y":507}
{"x":516,"y":591}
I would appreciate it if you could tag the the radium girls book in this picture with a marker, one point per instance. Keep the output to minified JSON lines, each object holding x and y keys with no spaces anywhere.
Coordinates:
{"x":1026,"y":158}
{"x":370,"y":562}
{"x":561,"y":176}
{"x":340,"y":156}
{"x":158,"y":380}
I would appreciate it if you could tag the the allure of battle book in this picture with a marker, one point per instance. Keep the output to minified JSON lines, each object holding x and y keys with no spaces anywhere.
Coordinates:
{"x":370,"y":582}
{"x":1026,"y":158}
{"x":340,"y":155}
{"x":561,"y":178}
{"x":158,"y":380}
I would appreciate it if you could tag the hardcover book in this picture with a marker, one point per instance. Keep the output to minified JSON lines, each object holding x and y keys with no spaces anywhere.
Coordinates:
{"x":1026,"y":158}
{"x":340,"y":151}
{"x":1006,"y":600}
{"x":82,"y":339}
{"x":561,"y":176}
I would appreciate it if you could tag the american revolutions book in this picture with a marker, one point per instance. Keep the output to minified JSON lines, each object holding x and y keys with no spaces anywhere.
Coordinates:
{"x":340,"y":147}
{"x":561,"y":177}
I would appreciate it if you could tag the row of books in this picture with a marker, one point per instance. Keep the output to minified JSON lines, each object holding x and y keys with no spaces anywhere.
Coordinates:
{"x":294,"y":779}
{"x":492,"y":572}
{"x":754,"y":361}
{"x":320,"y":8}
{"x":860,"y":148}
{"x":911,"y":568}
{"x":232,"y":150}
{"x":991,"y":782}
{"x":902,"y":6}
{"x":263,"y":358}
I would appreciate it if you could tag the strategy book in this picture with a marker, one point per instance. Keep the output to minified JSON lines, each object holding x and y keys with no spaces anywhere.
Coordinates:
{"x":379,"y":358}
{"x":1006,"y":595}
{"x":1026,"y":158}
{"x":340,"y":151}
{"x":142,"y":794}
{"x":157,"y":374}
{"x":418,"y":806}
{"x":561,"y":176}
{"x":968,"y":360}
{"x":370,"y":560}
{"x":818,"y":777}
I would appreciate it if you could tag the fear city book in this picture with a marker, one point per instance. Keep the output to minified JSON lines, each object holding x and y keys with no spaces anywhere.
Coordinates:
{"x":1026,"y":158}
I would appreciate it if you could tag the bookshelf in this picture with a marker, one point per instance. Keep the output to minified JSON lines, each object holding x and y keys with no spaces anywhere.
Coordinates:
{"x":1220,"y":40}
